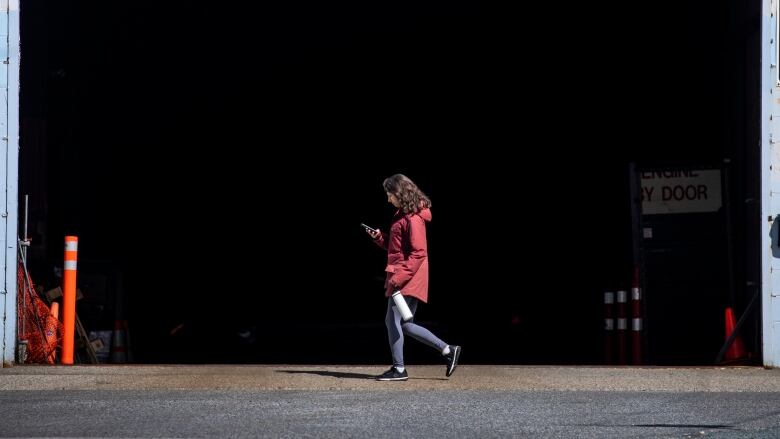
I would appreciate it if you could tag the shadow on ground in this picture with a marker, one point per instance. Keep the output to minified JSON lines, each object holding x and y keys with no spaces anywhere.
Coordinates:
{"x":350,"y":375}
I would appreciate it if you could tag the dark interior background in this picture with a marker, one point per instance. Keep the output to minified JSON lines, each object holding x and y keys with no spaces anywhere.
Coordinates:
{"x":218,"y":160}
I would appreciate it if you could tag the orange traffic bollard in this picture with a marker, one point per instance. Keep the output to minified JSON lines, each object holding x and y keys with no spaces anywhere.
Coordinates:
{"x":69,"y":298}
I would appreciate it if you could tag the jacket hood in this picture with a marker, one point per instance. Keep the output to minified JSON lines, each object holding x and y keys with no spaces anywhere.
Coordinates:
{"x":425,"y":214}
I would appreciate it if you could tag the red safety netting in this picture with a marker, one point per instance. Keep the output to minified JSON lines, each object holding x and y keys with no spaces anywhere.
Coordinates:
{"x":35,"y":323}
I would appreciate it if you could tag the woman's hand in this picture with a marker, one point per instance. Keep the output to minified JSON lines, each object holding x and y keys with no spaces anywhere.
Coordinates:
{"x":374,"y":234}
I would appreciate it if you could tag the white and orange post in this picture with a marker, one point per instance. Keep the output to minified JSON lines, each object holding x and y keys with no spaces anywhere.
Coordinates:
{"x":609,"y":327}
{"x":622,"y":325}
{"x":636,"y":320}
{"x":69,"y":298}
{"x":119,"y":342}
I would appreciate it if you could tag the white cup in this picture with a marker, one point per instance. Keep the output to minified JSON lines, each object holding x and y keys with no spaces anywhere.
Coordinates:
{"x":400,"y":303}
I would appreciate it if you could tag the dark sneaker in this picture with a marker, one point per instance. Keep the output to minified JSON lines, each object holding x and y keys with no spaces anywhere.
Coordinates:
{"x":452,"y":359}
{"x":393,"y":375}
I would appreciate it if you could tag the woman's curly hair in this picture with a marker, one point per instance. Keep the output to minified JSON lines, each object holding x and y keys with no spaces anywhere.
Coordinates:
{"x":411,"y":198}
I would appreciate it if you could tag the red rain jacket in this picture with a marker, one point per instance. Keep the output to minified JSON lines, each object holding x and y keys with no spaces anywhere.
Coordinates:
{"x":407,"y":255}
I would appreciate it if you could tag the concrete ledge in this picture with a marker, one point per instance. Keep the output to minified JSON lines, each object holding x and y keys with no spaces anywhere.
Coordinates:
{"x":330,"y":377}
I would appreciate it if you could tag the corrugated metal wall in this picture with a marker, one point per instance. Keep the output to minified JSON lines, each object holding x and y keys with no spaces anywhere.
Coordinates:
{"x":9,"y":176}
{"x":770,"y":184}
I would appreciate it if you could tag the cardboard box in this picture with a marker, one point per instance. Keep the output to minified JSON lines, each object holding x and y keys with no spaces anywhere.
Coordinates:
{"x":101,"y":343}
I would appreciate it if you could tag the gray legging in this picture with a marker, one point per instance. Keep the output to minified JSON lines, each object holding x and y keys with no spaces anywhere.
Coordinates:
{"x":396,"y":331}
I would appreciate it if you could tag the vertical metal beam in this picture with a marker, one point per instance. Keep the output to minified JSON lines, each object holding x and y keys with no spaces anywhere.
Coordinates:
{"x":770,"y":186}
{"x":9,"y":171}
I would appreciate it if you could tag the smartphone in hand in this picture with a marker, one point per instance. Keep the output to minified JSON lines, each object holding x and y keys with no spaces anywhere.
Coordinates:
{"x":368,"y":229}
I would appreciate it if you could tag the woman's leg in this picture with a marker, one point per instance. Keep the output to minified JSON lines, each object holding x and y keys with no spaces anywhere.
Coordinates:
{"x":418,"y":332}
{"x":394,"y":333}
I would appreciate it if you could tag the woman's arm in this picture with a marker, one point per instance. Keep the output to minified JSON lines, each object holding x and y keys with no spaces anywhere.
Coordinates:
{"x":379,"y":238}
